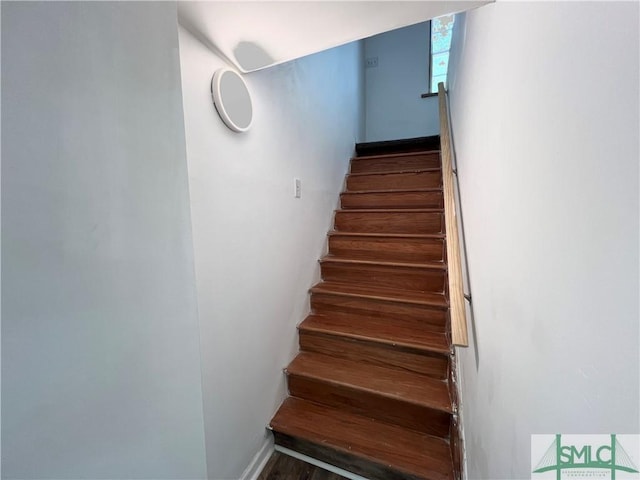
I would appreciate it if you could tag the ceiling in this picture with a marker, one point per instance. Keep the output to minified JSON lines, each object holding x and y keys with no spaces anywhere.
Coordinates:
{"x":251,"y":35}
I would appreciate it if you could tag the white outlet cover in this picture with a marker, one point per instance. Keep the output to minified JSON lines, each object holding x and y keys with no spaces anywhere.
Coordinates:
{"x":297,"y":187}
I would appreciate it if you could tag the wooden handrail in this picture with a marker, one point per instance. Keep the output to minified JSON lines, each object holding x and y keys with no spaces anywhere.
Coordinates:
{"x":456,"y":287}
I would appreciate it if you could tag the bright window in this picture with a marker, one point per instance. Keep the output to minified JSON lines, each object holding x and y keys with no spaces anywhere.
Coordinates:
{"x":441,"y":30}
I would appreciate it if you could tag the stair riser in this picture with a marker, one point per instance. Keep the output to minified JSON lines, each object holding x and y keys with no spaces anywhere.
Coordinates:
{"x":410,"y":162}
{"x":432,"y":318}
{"x":430,"y":364}
{"x":431,"y":179}
{"x":389,"y":222}
{"x":390,"y":249}
{"x":371,"y":405}
{"x":403,"y":278}
{"x":392,"y":200}
{"x":339,"y":458}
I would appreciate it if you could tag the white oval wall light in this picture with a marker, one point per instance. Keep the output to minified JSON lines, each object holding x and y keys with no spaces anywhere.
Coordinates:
{"x":232,"y":99}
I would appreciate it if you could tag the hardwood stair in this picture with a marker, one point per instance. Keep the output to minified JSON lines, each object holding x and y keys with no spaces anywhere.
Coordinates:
{"x":421,"y":277}
{"x":384,"y":220}
{"x":360,"y":444}
{"x":397,"y":161}
{"x":403,"y":344}
{"x":397,"y":179}
{"x":429,"y":308}
{"x":388,"y":246}
{"x":411,"y":198}
{"x":371,"y":390}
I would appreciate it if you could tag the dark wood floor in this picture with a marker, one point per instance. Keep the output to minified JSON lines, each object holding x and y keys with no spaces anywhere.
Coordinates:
{"x":284,"y":467}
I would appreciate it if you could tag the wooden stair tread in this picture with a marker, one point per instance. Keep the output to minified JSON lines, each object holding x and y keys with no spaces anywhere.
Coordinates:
{"x":396,"y":155}
{"x":407,"y":451}
{"x":395,"y":172}
{"x":391,"y":210}
{"x":401,"y":333}
{"x":356,"y":261}
{"x":385,"y":294}
{"x":392,"y":191}
{"x":386,"y":235}
{"x":386,"y":382}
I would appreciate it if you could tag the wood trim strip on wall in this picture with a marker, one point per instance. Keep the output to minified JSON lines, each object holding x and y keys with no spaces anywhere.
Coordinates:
{"x":459,"y":335}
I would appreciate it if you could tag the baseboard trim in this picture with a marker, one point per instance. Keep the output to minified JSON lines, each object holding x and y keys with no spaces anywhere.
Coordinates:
{"x":259,"y":460}
{"x":318,"y":463}
{"x":461,"y":433}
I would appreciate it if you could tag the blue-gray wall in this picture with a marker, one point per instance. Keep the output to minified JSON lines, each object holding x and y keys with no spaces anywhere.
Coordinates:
{"x":393,"y":106}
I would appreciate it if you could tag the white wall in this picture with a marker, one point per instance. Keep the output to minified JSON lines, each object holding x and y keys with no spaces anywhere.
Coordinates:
{"x":283,"y":31}
{"x":100,"y":360}
{"x":256,"y":246}
{"x":394,"y":109}
{"x":545,"y":124}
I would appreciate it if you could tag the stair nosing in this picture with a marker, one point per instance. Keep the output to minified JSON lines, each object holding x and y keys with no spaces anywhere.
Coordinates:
{"x":355,"y":261}
{"x":393,"y":191}
{"x":395,"y":172}
{"x":390,"y":210}
{"x":436,"y":236}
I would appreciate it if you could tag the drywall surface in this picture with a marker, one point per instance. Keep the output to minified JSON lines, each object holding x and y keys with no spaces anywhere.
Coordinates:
{"x":545,"y":125}
{"x":100,"y":360}
{"x":256,"y":246}
{"x":393,"y":105}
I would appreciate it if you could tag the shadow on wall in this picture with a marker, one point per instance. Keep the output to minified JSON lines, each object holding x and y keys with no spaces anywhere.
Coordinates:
{"x":251,"y":56}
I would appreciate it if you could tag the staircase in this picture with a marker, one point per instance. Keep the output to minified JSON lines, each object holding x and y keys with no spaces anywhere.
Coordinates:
{"x":371,"y":390}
